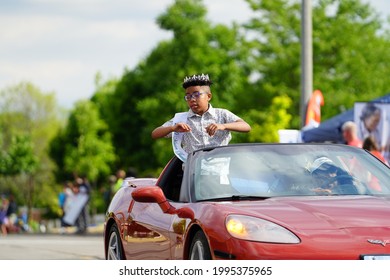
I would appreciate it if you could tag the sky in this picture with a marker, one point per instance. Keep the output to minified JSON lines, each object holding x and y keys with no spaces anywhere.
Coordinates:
{"x":60,"y":45}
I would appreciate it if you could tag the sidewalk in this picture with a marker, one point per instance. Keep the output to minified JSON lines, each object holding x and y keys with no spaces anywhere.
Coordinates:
{"x":91,"y":229}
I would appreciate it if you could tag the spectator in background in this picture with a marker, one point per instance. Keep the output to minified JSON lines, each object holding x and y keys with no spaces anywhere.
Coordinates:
{"x":115,"y":183}
{"x":350,"y":134}
{"x":370,"y":145}
{"x":12,"y":214}
{"x":132,"y":172}
{"x":3,"y":215}
{"x":108,"y":190}
{"x":64,"y":198}
{"x":120,"y":176}
{"x":85,"y":189}
{"x":369,"y":123}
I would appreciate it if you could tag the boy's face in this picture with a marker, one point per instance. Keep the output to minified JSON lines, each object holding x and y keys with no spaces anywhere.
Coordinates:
{"x":197,"y":98}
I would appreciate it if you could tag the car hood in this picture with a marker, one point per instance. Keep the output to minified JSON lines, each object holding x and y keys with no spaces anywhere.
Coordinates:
{"x":319,"y":213}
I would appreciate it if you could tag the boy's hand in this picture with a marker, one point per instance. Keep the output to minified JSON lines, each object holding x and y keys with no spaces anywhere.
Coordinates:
{"x":181,"y":127}
{"x":212,"y":128}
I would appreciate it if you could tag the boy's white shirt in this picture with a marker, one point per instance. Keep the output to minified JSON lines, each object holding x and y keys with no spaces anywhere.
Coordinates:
{"x":177,"y":137}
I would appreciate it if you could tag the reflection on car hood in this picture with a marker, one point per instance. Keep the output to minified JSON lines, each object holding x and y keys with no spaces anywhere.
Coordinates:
{"x":320,"y":213}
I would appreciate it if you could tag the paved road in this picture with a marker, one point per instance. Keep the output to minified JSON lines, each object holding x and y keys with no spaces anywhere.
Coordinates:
{"x":51,"y":247}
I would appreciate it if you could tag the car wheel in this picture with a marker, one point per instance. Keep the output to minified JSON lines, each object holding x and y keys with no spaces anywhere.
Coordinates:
{"x":199,"y":247}
{"x":114,"y":250}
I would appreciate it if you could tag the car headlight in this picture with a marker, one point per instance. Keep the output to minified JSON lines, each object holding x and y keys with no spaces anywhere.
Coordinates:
{"x":255,"y":229}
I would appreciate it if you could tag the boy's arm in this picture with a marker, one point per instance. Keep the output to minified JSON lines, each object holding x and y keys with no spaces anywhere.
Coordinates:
{"x":163,"y":131}
{"x":237,"y":126}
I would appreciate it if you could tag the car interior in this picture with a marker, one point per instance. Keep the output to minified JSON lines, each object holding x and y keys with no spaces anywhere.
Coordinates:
{"x":171,"y":180}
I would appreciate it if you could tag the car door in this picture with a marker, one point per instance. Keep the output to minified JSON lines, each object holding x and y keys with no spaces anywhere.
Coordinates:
{"x":146,"y":232}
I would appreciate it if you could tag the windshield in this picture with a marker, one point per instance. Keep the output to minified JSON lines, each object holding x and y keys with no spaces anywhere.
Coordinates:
{"x":271,"y":170}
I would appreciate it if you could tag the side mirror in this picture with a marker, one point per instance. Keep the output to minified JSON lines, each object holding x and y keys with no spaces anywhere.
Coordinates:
{"x":154,"y":194}
{"x":151,"y":194}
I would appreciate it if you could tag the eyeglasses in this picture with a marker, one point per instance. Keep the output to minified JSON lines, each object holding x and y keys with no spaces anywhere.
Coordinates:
{"x":195,"y":95}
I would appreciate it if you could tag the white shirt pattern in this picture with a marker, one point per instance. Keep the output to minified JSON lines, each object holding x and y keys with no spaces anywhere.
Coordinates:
{"x":198,"y":138}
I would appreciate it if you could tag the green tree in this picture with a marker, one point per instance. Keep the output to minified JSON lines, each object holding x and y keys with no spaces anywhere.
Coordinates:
{"x":29,"y":119}
{"x":351,"y":55}
{"x":88,"y":148}
{"x":266,"y":124}
{"x":349,"y":52}
{"x":103,"y":98}
{"x":83,"y":148}
{"x":18,"y":158}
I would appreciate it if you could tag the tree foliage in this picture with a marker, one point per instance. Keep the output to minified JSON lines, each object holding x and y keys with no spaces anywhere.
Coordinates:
{"x":19,"y":157}
{"x":265,"y":125}
{"x":349,"y":53}
{"x":88,"y":149}
{"x":29,"y":119}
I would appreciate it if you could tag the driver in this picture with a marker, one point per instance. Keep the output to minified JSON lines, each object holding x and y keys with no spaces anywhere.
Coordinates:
{"x":329,"y":177}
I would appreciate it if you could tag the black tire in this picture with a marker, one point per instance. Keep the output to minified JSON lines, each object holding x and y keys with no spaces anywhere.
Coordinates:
{"x":200,"y":249}
{"x":114,"y":247}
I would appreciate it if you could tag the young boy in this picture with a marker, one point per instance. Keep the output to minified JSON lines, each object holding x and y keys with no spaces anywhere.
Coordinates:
{"x":203,"y":125}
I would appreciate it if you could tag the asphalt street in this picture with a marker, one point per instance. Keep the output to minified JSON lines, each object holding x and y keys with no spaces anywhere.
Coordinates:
{"x":51,"y":247}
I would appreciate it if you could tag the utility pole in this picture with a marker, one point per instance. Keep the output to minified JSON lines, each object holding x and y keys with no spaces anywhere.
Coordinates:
{"x":306,"y":58}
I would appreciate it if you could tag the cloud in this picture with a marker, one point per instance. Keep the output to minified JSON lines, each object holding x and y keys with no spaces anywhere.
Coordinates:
{"x":64,"y":51}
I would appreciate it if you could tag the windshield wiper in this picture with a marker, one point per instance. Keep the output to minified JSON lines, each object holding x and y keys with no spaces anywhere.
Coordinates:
{"x":236,"y":198}
{"x":248,"y":197}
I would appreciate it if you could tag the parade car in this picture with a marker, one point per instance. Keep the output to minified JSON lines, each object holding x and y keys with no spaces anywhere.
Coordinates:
{"x":256,"y":201}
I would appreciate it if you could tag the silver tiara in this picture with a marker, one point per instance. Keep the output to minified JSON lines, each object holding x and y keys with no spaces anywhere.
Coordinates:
{"x":197,"y":78}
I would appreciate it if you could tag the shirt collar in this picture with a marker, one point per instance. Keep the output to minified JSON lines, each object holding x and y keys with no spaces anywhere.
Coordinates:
{"x":210,"y":111}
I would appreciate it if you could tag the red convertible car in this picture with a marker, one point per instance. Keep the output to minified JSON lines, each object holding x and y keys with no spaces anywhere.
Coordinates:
{"x":256,"y":201}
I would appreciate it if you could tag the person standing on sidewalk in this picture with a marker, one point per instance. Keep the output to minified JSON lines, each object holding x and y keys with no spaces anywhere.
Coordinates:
{"x":84,"y":189}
